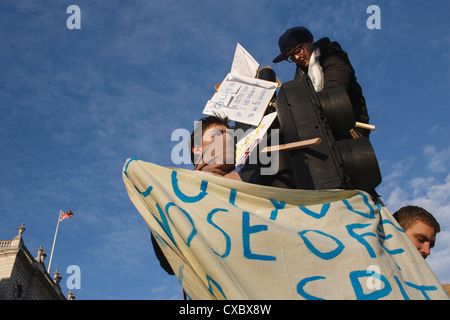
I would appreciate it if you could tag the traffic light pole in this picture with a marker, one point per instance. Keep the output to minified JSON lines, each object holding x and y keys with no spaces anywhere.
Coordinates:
{"x":301,"y":117}
{"x":338,"y":162}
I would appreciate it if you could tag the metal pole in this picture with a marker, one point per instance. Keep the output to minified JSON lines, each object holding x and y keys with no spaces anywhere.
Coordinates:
{"x":54,"y":240}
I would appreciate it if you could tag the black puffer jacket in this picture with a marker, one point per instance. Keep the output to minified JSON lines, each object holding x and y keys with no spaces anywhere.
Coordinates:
{"x":338,"y":72}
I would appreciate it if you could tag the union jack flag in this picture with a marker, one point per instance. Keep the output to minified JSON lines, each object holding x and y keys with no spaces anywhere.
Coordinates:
{"x":65,"y":215}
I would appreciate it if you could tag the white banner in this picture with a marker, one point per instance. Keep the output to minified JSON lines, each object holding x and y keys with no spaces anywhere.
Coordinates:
{"x":226,"y":239}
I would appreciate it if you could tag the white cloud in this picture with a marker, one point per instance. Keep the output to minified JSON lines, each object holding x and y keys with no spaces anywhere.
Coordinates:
{"x":169,"y":289}
{"x":438,"y":159}
{"x":439,"y":260}
{"x":405,"y":185}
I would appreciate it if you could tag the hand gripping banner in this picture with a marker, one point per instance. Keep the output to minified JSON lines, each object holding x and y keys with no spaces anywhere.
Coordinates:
{"x":226,"y":239}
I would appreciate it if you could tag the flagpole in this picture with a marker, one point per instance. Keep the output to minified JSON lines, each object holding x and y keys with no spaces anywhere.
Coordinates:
{"x":54,"y":240}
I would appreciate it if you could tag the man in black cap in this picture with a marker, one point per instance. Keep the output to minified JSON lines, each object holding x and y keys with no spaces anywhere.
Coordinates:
{"x":326,"y":64}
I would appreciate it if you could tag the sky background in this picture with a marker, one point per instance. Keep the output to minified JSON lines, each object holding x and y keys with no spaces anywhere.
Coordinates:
{"x":75,"y":104}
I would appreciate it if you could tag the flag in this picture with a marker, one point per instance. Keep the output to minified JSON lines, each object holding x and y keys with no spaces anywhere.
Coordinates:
{"x":65,"y":215}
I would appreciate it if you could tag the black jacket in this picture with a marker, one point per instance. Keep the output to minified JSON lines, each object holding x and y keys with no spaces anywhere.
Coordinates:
{"x":338,"y":72}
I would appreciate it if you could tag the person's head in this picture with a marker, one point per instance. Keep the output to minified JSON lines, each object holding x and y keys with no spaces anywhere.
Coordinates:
{"x":296,"y":45}
{"x":420,"y":226}
{"x":205,"y":132}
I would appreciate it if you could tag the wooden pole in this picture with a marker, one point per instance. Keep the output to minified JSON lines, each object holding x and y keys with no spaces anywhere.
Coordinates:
{"x":293,"y":145}
{"x":364,"y":125}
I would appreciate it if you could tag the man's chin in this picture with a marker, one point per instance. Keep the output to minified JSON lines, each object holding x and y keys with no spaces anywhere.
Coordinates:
{"x":301,"y":64}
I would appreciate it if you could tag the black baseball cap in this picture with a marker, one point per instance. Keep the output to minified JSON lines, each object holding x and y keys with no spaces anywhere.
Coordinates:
{"x":291,"y":38}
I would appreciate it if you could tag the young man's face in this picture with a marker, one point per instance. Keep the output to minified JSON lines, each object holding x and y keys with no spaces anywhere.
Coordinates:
{"x":214,"y":131}
{"x":423,"y":237}
{"x":301,"y":53}
{"x":211,"y":133}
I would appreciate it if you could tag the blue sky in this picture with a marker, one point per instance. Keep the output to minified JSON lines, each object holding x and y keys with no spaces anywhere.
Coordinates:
{"x":75,"y":104}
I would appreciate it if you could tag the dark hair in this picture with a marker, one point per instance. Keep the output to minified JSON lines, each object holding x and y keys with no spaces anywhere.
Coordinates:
{"x":408,"y":215}
{"x":205,"y":123}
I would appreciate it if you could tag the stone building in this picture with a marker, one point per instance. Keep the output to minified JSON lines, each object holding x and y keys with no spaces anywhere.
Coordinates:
{"x":23,"y":277}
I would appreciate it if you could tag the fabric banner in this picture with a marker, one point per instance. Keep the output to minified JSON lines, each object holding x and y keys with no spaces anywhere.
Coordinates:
{"x":226,"y":239}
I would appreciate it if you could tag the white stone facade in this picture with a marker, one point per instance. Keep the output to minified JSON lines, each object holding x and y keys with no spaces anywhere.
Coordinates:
{"x":23,"y":277}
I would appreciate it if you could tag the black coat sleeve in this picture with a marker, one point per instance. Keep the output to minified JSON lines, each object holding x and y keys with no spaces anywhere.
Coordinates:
{"x":337,"y":72}
{"x":161,"y":258}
